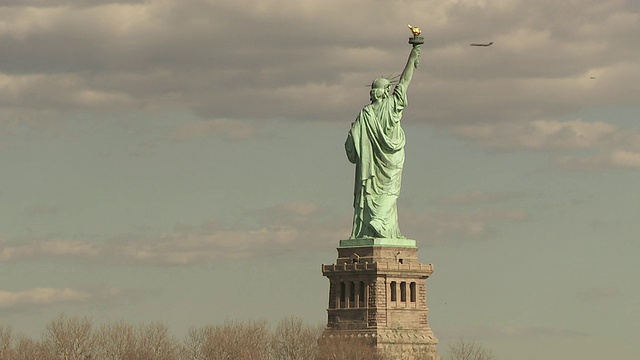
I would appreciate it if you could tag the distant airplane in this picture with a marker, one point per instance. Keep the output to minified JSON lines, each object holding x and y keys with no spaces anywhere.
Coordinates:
{"x":593,"y":77}
{"x":489,"y":44}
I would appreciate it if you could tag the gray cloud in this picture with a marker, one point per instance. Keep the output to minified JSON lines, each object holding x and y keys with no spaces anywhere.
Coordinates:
{"x":542,"y":134}
{"x":228,"y":129}
{"x":514,"y":332}
{"x":239,"y":59}
{"x":438,"y":227}
{"x":72,"y":3}
{"x":523,"y":331}
{"x":528,"y":331}
{"x":36,"y":249}
{"x":46,"y":296}
{"x":601,"y":161}
{"x":42,"y":210}
{"x":614,"y":147}
{"x":287,"y":227}
{"x":40,"y":296}
{"x":476,"y":198}
{"x":597,"y":293}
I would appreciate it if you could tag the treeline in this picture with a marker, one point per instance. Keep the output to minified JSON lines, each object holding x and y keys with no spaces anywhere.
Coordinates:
{"x":76,"y":338}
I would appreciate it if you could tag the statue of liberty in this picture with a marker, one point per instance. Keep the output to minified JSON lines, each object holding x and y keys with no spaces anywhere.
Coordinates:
{"x":375,"y":144}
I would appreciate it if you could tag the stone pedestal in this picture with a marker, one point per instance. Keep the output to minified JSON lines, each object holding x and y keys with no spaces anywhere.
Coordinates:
{"x":377,"y":290}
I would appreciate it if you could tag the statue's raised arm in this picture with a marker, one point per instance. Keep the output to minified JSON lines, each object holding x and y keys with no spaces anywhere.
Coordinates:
{"x":414,"y":55}
{"x":412,"y":63}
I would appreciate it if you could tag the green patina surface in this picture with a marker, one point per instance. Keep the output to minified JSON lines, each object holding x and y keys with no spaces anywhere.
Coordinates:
{"x":377,"y":242}
{"x":375,"y":144}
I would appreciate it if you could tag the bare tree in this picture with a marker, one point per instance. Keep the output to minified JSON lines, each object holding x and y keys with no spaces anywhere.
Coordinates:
{"x":293,"y":340}
{"x":6,"y":343}
{"x":347,"y":348}
{"x":155,"y":342}
{"x":468,"y":350}
{"x":28,"y":349}
{"x":194,"y":343}
{"x":116,"y":341}
{"x":229,"y":341}
{"x":68,"y":338}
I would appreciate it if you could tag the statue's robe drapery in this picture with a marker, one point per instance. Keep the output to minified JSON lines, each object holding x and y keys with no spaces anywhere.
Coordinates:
{"x":376,"y":145}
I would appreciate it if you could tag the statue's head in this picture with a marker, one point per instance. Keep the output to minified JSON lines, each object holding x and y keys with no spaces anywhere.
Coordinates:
{"x":380,"y":88}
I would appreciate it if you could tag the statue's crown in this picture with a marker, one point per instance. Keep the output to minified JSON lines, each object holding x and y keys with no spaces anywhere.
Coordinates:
{"x":380,"y":83}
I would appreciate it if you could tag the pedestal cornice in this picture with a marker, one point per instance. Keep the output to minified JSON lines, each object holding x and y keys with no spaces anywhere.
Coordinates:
{"x":383,"y":242}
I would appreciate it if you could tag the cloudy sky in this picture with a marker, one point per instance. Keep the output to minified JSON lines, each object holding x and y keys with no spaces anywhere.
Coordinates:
{"x":183,"y":161}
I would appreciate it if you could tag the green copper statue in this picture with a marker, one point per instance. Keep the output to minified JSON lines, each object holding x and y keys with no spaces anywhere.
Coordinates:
{"x":375,"y":144}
